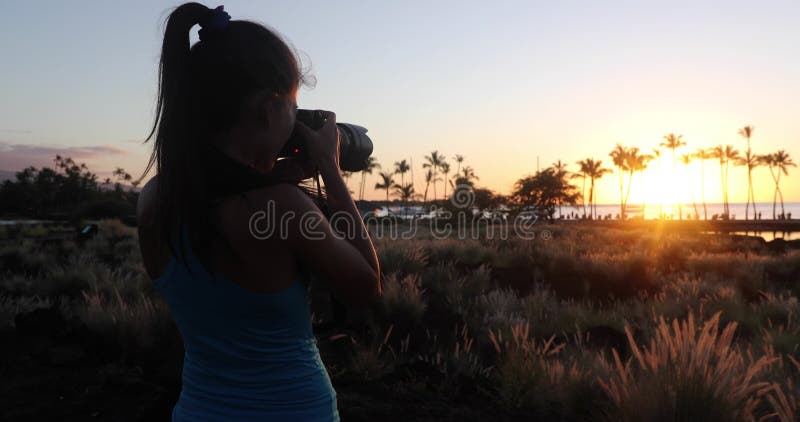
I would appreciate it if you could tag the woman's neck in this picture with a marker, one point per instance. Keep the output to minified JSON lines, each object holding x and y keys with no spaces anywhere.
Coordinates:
{"x":243,"y":152}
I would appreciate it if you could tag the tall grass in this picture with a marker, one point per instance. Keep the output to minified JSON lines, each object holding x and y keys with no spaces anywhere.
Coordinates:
{"x":574,"y":328}
{"x":687,"y":373}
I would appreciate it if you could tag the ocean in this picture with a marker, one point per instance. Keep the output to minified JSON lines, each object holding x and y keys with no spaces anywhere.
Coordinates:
{"x":651,"y":211}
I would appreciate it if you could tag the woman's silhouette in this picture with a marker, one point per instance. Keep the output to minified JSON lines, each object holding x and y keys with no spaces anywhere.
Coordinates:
{"x":226,"y":107}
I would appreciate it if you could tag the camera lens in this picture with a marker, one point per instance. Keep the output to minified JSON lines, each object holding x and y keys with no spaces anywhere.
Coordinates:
{"x":354,"y":148}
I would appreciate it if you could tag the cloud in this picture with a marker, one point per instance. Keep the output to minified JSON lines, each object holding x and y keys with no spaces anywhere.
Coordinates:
{"x":18,"y":156}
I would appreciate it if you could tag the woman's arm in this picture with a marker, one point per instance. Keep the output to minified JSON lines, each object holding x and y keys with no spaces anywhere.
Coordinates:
{"x":344,"y":211}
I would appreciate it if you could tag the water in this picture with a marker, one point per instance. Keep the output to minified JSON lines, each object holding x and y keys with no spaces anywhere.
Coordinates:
{"x":651,"y":210}
{"x":769,"y":236}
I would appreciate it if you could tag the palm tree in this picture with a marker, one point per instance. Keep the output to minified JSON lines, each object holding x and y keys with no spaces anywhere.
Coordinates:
{"x":703,"y":155}
{"x":401,"y":167}
{"x":405,"y":192}
{"x":583,"y":174}
{"x":429,"y":178}
{"x":633,"y":162}
{"x":445,"y":167}
{"x":750,"y":161}
{"x":657,"y":156}
{"x":637,"y":163}
{"x":725,"y":155}
{"x":561,"y":172}
{"x":718,"y":152}
{"x":673,"y":142}
{"x":386,"y":183}
{"x":619,"y":157}
{"x":594,"y":171}
{"x":459,"y":159}
{"x":778,"y":163}
{"x":686,"y":159}
{"x":371,"y":164}
{"x":433,"y":162}
{"x":468,"y":175}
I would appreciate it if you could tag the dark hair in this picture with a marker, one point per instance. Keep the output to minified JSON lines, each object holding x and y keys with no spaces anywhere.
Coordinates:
{"x":202,"y":91}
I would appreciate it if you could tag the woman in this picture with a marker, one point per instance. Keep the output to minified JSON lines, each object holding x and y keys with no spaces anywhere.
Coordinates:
{"x":226,"y":107}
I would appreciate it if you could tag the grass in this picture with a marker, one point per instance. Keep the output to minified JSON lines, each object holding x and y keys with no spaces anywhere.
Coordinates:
{"x":595,"y":324}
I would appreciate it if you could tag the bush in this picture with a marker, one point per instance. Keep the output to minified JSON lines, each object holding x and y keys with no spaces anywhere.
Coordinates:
{"x":403,"y":299}
{"x":686,"y":374}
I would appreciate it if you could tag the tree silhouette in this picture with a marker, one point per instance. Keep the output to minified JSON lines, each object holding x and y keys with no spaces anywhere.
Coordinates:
{"x":405,"y":192}
{"x":386,"y":183}
{"x":750,"y":161}
{"x":445,"y":167}
{"x":68,"y":190}
{"x":725,"y":154}
{"x":686,"y":159}
{"x":583,"y":174}
{"x":636,"y":163}
{"x":545,"y":190}
{"x":371,"y":164}
{"x":703,"y":155}
{"x":673,"y":142}
{"x":433,"y":162}
{"x":429,"y":178}
{"x":657,"y":156}
{"x":561,"y":170}
{"x":619,"y":157}
{"x":459,"y":159}
{"x":632,"y":158}
{"x":467,"y":177}
{"x":401,"y":167}
{"x":778,"y":163}
{"x":595,"y":171}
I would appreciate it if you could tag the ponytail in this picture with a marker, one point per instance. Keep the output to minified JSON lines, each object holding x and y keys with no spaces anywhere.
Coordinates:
{"x":171,"y":126}
{"x":202,"y":90}
{"x":173,"y":64}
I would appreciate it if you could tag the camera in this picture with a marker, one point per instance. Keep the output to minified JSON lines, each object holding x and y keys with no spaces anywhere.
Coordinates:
{"x":354,"y":148}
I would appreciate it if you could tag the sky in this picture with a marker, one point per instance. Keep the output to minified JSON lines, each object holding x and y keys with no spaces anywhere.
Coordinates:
{"x":506,"y":84}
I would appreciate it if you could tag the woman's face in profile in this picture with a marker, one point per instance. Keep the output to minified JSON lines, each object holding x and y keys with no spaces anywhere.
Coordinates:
{"x":274,"y":131}
{"x":286,"y":117}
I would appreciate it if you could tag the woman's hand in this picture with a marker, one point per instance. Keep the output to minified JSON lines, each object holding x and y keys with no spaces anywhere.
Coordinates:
{"x":322,"y":144}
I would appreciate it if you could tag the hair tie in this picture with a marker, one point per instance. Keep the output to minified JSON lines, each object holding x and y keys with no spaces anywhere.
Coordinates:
{"x":216,"y":21}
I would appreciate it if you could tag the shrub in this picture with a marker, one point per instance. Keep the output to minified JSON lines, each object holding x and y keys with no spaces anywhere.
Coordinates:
{"x":137,"y":326}
{"x":686,"y":374}
{"x":409,"y":259}
{"x":536,"y":375}
{"x":402,"y":298}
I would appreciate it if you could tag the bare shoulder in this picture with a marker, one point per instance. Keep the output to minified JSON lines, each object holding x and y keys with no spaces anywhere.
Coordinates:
{"x":278,"y":206}
{"x":281,"y":197}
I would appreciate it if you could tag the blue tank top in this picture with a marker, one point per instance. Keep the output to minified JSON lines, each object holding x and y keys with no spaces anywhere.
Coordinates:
{"x":248,"y":356}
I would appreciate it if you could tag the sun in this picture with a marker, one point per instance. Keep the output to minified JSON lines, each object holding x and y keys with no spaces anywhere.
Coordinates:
{"x":660,"y":189}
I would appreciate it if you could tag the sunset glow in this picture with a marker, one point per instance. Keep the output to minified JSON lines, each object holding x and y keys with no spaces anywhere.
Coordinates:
{"x":481,"y":82}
